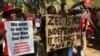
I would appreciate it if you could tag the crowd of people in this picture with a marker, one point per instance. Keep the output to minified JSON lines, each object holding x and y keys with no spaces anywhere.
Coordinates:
{"x":90,"y":23}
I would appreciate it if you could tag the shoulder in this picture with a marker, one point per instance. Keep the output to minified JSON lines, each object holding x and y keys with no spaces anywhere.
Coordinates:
{"x":1,"y":25}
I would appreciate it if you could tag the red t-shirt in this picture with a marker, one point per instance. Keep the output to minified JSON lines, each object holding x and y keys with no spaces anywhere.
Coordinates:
{"x":6,"y":47}
{"x":1,"y":27}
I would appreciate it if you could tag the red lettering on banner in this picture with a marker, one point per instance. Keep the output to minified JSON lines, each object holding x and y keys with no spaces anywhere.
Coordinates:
{"x":21,"y":47}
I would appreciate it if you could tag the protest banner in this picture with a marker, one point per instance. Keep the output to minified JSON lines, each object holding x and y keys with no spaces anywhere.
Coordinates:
{"x":61,"y":32}
{"x":19,"y":37}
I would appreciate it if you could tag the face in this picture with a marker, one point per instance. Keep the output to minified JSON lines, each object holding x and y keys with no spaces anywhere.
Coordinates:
{"x":13,"y":16}
{"x":87,"y":4}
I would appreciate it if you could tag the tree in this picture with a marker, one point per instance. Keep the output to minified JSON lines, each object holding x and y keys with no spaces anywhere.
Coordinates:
{"x":1,"y":3}
{"x":96,"y":4}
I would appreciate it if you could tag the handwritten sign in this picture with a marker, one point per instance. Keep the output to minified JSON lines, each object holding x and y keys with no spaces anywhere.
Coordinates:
{"x":61,"y":31}
{"x":19,"y":37}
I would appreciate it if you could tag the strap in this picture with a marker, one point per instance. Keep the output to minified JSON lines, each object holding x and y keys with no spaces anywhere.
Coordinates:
{"x":93,"y":25}
{"x":88,"y":18}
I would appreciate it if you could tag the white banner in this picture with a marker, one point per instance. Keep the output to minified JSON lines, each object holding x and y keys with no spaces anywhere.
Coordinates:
{"x":19,"y":37}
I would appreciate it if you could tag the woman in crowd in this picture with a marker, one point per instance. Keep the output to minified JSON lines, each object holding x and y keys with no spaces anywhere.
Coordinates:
{"x":1,"y":38}
{"x":10,"y":14}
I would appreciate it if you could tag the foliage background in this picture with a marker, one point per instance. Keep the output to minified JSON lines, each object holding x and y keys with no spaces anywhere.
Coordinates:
{"x":96,"y":4}
{"x":41,"y":5}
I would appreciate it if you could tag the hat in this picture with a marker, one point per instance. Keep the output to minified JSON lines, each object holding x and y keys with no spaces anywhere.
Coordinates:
{"x":8,"y":10}
{"x":87,"y":1}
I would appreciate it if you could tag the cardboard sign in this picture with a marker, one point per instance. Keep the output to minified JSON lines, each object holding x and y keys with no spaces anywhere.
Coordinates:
{"x":19,"y":37}
{"x":61,"y":31}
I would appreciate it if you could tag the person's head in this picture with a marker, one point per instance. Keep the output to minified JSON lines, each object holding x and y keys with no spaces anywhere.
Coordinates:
{"x":51,"y":10}
{"x":87,"y":3}
{"x":9,"y":12}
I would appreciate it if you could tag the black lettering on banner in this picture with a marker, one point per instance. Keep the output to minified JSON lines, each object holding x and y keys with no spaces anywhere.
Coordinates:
{"x":76,"y":20}
{"x":25,"y":28}
{"x":52,"y":31}
{"x":58,"y":39}
{"x":12,"y":29}
{"x":24,"y":37}
{"x":52,"y":47}
{"x":66,"y":30}
{"x":72,"y":20}
{"x":15,"y":38}
{"x":50,"y":22}
{"x":77,"y":29}
{"x":58,"y":21}
{"x":23,"y":33}
{"x":59,"y":31}
{"x":22,"y":24}
{"x":13,"y":24}
{"x":15,"y":33}
{"x":65,"y":38}
{"x":74,"y":29}
{"x":68,"y":20}
{"x":55,"y":31}
{"x":18,"y":29}
{"x":78,"y":36}
{"x":70,"y":39}
{"x":71,"y":30}
{"x":60,"y":45}
{"x":50,"y":40}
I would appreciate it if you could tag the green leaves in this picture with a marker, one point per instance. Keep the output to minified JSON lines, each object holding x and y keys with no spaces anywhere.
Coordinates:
{"x":96,"y":4}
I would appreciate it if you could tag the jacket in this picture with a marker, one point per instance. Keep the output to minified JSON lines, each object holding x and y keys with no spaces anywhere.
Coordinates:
{"x":86,"y":24}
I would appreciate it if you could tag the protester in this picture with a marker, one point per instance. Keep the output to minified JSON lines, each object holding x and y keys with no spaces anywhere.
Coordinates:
{"x":50,"y":10}
{"x":10,"y":14}
{"x":87,"y":15}
{"x":1,"y":37}
{"x":88,"y":19}
{"x":20,"y":15}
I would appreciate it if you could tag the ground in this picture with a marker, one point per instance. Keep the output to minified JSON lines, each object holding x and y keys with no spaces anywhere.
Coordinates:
{"x":92,"y":52}
{"x":94,"y":49}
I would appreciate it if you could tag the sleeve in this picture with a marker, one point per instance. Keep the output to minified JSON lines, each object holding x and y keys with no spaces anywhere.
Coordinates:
{"x":1,"y":27}
{"x":83,"y":23}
